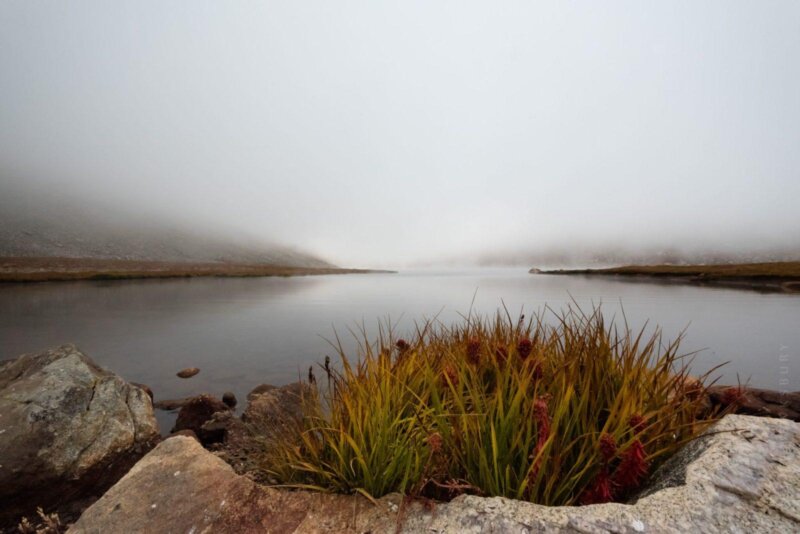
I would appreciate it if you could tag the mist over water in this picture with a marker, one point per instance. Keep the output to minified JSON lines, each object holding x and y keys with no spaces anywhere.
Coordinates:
{"x":379,"y":135}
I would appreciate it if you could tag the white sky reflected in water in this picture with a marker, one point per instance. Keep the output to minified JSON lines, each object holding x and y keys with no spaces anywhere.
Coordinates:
{"x":382,"y":134}
{"x":244,"y":332}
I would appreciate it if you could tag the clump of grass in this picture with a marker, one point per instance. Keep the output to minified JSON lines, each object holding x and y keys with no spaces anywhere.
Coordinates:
{"x":572,"y":412}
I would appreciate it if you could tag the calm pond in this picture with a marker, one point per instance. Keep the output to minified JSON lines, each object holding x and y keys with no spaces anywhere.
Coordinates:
{"x":245,"y":332}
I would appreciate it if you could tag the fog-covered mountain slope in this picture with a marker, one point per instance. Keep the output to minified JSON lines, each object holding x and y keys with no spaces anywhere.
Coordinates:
{"x":50,"y":227}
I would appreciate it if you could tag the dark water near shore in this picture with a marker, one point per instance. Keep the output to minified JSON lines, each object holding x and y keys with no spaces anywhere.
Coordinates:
{"x":244,"y":332}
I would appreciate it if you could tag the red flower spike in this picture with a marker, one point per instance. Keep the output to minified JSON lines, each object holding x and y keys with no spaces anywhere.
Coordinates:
{"x":524,"y":347}
{"x":600,"y":491}
{"x":637,"y":423}
{"x":402,"y":345}
{"x":608,"y":447}
{"x":451,"y":375}
{"x":542,"y":419}
{"x":633,"y":467}
{"x":474,"y":350}
{"x":435,"y":442}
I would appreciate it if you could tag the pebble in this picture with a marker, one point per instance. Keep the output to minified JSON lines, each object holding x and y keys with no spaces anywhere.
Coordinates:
{"x":189,"y":372}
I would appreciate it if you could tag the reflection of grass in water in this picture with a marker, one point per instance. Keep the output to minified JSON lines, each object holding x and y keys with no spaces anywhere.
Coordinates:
{"x":567,"y":414}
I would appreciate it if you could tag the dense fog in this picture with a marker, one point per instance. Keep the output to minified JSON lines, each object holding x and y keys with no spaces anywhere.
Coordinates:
{"x":409,"y":134}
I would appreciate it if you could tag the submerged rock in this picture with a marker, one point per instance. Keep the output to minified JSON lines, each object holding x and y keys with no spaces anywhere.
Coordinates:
{"x":743,"y":476}
{"x":189,"y":372}
{"x":171,"y":404}
{"x":68,"y":430}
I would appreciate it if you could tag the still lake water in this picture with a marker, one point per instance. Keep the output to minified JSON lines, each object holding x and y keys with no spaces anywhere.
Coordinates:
{"x":245,"y":332}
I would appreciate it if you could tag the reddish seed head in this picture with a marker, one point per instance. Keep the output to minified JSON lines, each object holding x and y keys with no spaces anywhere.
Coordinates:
{"x":474,"y":350}
{"x":608,"y":447}
{"x":402,"y":345}
{"x":633,"y":467}
{"x":451,"y":375}
{"x":600,"y":491}
{"x":435,"y":442}
{"x":540,"y":408}
{"x":542,"y":419}
{"x":637,"y":423}
{"x":524,"y":347}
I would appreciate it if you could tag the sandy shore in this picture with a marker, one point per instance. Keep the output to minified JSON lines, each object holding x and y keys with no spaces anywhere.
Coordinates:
{"x":64,"y":269}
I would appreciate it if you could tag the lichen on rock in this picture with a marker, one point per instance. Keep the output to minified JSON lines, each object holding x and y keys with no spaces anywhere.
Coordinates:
{"x":68,"y":429}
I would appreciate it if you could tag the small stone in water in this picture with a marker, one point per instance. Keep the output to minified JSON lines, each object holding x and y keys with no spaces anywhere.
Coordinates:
{"x":189,"y":372}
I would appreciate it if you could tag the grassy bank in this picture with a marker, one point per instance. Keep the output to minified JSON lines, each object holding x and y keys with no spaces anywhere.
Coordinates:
{"x":576,"y":413}
{"x":64,"y":269}
{"x":774,"y":276}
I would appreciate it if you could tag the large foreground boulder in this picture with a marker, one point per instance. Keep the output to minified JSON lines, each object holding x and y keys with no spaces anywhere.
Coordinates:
{"x":743,"y":476}
{"x":181,"y":487}
{"x":68,"y":430}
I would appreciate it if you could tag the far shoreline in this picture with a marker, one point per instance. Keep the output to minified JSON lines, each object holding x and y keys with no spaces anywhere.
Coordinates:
{"x":767,"y":277}
{"x":57,"y":269}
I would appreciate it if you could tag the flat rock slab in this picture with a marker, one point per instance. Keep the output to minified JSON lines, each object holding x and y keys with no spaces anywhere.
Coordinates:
{"x":743,"y":476}
{"x":181,"y":487}
{"x":68,"y":429}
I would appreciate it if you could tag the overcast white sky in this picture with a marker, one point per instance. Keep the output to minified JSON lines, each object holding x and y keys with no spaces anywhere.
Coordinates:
{"x":380,"y":133}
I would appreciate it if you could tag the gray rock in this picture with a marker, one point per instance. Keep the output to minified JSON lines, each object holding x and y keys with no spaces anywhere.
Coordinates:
{"x":258,"y":390}
{"x":145,"y":387}
{"x":743,"y":476}
{"x":68,"y":429}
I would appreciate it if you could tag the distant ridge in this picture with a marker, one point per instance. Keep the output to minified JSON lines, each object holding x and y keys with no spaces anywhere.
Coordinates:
{"x":41,"y":229}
